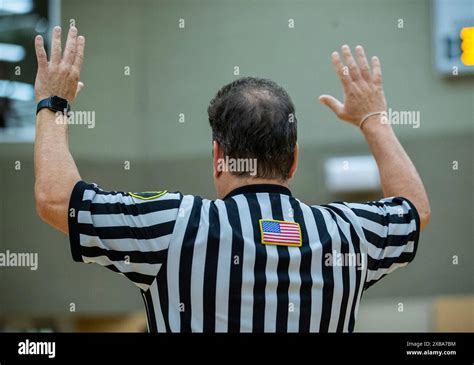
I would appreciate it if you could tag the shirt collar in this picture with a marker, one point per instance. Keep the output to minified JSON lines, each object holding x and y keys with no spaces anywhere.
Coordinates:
{"x":259,"y":188}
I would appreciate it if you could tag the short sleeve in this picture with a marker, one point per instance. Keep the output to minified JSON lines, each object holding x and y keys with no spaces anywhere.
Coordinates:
{"x":389,"y":230}
{"x":128,"y":233}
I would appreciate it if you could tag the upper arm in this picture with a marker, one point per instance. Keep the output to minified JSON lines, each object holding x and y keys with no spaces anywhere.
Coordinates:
{"x":388,"y":230}
{"x":121,"y":231}
{"x":52,"y":204}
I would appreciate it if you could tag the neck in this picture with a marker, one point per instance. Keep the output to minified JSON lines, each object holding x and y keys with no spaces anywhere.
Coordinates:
{"x":234,"y":182}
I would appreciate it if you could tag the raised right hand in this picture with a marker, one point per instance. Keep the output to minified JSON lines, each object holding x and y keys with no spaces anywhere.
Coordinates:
{"x":362,"y":87}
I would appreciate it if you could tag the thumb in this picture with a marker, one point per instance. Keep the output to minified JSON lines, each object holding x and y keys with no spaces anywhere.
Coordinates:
{"x":80,"y":85}
{"x":332,"y":103}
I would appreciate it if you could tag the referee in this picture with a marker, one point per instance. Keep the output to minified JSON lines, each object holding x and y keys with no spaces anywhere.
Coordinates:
{"x":256,"y":259}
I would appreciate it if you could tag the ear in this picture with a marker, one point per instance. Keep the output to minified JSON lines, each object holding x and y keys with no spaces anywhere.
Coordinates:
{"x":294,"y":166}
{"x":218,"y":157}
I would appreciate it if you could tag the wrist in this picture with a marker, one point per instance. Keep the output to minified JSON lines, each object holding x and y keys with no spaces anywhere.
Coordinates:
{"x":40,"y":97}
{"x":49,"y":117}
{"x":45,"y":113}
{"x":375,"y":124}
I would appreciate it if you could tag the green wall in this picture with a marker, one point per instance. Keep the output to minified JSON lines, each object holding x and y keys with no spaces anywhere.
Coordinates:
{"x":178,"y":70}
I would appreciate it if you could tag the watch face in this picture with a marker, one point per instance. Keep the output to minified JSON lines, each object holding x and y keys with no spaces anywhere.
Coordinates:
{"x":59,"y":104}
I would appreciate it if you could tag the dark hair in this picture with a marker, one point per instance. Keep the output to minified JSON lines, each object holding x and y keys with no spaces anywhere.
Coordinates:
{"x":254,"y":118}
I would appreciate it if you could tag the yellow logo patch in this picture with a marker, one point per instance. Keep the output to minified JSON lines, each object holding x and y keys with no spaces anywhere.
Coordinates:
{"x":148,"y":195}
{"x":467,"y":46}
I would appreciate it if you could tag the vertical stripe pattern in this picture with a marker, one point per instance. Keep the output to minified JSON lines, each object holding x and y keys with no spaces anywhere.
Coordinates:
{"x":201,"y":265}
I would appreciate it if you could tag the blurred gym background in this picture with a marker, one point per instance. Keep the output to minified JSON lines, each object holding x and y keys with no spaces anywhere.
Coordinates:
{"x":151,"y":68}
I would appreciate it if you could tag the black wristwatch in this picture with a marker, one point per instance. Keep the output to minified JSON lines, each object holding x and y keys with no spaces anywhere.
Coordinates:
{"x":54,"y":103}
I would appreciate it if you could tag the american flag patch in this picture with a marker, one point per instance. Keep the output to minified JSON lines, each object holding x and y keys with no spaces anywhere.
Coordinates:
{"x":280,"y":233}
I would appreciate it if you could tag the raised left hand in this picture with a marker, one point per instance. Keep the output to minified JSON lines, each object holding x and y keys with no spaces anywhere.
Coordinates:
{"x":59,"y":76}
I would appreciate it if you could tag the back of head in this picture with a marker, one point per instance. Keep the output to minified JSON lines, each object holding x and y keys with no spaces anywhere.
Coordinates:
{"x":254,"y":118}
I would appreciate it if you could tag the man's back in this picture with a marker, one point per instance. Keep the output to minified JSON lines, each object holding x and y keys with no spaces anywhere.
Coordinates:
{"x":258,"y":260}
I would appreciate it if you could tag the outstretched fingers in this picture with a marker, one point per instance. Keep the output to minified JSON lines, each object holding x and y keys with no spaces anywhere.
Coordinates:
{"x":351,"y":63}
{"x":332,"y":103}
{"x":363,"y":64}
{"x":377,"y":71}
{"x":80,"y":45}
{"x":41,"y":57}
{"x":339,"y":68}
{"x":70,"y":50}
{"x":56,"y":46}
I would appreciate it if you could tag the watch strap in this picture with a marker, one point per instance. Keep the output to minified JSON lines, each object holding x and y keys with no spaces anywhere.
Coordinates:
{"x":52,"y":103}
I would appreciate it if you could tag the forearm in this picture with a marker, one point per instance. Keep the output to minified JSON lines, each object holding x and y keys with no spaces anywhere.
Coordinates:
{"x":55,"y":170}
{"x":398,"y":175}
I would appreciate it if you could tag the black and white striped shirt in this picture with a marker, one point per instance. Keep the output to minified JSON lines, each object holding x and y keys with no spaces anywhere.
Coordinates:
{"x":201,"y":265}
